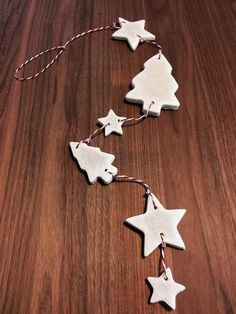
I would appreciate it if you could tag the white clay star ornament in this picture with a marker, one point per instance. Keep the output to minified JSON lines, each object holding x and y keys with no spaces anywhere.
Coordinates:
{"x":96,"y":163}
{"x":165,"y":289}
{"x":155,"y":85}
{"x":132,"y":32}
{"x":113,"y":123}
{"x":157,"y":221}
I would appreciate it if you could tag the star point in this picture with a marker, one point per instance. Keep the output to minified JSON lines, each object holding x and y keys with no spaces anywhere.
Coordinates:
{"x":132,"y":32}
{"x":113,"y":123}
{"x":158,"y":221}
{"x":164,"y":289}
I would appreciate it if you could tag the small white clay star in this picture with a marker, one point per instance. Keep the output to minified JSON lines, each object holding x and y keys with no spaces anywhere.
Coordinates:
{"x":133,"y":32}
{"x":164,"y":289}
{"x":113,"y":123}
{"x":158,"y":221}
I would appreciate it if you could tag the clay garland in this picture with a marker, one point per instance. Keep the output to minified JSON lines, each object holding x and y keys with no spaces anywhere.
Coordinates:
{"x":154,"y":88}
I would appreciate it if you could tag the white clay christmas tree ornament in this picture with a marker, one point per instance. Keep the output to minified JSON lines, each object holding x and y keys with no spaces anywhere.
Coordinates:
{"x":155,"y":222}
{"x":165,"y":290}
{"x":155,"y":85}
{"x":96,"y":163}
{"x":113,"y":123}
{"x":133,"y":32}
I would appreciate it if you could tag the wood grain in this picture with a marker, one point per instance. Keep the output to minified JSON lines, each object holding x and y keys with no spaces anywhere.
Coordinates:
{"x":64,"y":248}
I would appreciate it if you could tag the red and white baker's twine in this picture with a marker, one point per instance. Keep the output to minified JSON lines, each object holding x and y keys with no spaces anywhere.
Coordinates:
{"x":61,"y":49}
{"x":125,"y":178}
{"x":142,"y":117}
{"x":152,"y":42}
{"x":92,"y":135}
{"x":162,"y":257}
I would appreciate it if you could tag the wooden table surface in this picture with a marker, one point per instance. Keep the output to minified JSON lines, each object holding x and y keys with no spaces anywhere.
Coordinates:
{"x":63,"y":245}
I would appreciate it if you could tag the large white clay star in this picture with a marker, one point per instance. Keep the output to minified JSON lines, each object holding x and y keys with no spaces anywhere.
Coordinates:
{"x":155,"y":222}
{"x":165,"y":289}
{"x":133,"y":32}
{"x":113,"y":123}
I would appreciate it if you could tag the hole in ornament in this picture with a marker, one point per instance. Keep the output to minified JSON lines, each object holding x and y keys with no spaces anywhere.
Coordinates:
{"x":166,"y":278}
{"x":141,"y":39}
{"x":106,"y":170}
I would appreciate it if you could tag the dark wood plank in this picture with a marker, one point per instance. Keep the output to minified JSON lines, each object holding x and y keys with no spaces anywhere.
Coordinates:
{"x":64,"y":248}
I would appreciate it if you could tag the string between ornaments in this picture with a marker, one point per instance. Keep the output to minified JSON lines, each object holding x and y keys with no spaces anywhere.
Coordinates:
{"x":119,"y":121}
{"x":63,"y":47}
